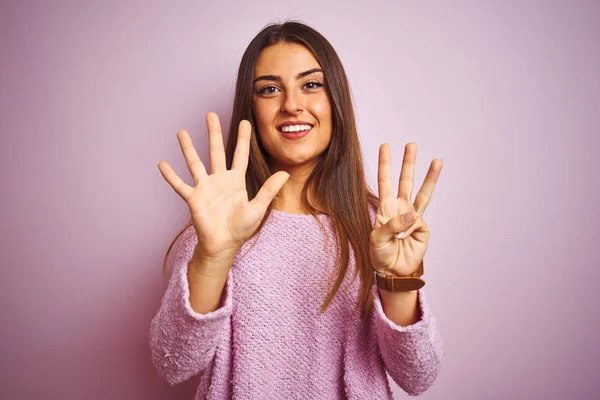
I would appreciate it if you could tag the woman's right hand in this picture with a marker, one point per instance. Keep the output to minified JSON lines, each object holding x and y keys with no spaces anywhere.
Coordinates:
{"x":222,"y":215}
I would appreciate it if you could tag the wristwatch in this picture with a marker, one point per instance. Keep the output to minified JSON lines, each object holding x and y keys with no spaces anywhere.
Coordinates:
{"x":407,"y":283}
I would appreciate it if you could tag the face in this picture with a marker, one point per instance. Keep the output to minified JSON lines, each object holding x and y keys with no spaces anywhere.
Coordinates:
{"x":291,"y":106}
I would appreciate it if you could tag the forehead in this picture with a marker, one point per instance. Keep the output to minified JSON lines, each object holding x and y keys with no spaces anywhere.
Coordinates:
{"x":284,"y":59}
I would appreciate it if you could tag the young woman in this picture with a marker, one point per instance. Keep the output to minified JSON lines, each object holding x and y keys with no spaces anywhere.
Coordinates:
{"x":263,"y":301}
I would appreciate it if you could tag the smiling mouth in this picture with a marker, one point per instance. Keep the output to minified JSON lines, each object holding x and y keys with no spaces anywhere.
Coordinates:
{"x":294,"y":128}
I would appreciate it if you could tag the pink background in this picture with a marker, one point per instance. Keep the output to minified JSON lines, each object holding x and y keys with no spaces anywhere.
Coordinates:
{"x":506,"y":93}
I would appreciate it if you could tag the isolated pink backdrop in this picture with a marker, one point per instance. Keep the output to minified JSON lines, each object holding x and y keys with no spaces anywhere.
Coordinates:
{"x":506,"y":93}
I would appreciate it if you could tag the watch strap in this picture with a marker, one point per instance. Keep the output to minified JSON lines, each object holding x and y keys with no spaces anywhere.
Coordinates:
{"x":407,"y":283}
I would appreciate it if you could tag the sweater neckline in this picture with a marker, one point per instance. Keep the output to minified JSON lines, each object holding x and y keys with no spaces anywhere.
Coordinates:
{"x":288,"y":215}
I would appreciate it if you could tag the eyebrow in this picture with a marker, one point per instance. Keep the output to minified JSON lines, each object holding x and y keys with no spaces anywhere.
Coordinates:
{"x":278,"y":78}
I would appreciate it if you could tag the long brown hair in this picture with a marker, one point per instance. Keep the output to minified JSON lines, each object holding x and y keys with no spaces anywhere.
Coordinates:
{"x":338,"y":181}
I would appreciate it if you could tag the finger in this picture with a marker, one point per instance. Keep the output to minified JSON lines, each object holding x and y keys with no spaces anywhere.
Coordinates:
{"x":195,"y":165}
{"x":242,"y":148}
{"x":424,"y":195}
{"x":384,"y":172}
{"x":419,"y":231}
{"x":174,"y":180}
{"x":268,"y":191}
{"x":393,"y":227}
{"x":407,"y":174}
{"x":216,"y":150}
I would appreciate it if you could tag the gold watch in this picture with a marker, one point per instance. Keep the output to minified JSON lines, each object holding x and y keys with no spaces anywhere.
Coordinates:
{"x":407,"y":283}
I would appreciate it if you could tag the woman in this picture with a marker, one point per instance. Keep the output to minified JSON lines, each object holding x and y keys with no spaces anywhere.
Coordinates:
{"x":284,"y":211}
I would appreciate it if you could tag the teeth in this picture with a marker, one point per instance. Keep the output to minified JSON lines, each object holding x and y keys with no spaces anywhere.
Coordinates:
{"x":295,"y":128}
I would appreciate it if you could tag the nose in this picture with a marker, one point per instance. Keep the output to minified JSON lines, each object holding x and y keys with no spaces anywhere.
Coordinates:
{"x":292,"y":103}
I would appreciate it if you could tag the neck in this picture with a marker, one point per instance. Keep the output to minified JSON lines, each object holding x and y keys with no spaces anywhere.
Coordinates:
{"x":289,"y":198}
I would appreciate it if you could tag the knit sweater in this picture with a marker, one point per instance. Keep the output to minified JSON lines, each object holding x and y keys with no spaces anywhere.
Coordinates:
{"x":267,"y":339}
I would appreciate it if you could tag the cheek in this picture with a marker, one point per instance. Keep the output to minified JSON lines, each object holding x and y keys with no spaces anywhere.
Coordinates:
{"x":323,"y":111}
{"x":260,"y":108}
{"x":265,"y":112}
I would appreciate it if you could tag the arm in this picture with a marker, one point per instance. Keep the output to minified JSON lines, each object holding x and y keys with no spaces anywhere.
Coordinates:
{"x":402,"y":308}
{"x":183,"y":341}
{"x":411,"y":354}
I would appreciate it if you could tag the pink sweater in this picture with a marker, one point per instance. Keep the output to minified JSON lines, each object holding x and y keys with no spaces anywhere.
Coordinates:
{"x":267,"y":340}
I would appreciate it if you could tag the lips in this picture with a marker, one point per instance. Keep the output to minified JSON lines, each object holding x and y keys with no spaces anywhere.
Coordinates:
{"x":296,"y":134}
{"x":295,"y":126}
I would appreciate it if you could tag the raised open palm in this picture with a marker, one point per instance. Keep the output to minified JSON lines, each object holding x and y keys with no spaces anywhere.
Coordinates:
{"x":398,"y":247}
{"x":222,"y":215}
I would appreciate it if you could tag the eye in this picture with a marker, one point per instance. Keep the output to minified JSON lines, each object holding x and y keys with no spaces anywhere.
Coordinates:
{"x":268,"y":90}
{"x":313,"y":85}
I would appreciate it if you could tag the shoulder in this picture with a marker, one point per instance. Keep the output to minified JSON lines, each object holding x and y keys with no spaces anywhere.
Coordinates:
{"x":189,"y":234}
{"x":188,"y":238}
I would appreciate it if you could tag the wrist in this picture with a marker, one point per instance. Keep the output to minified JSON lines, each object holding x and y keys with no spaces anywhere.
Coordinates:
{"x":398,"y":284}
{"x":387,"y":294}
{"x":216,"y":266}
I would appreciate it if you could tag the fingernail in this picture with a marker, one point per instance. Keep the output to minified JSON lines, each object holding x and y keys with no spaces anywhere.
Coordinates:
{"x":408,"y":217}
{"x":401,"y":235}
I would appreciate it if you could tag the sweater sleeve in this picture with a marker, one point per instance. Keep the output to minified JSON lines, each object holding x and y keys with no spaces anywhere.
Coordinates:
{"x":182,"y":341}
{"x":411,"y":354}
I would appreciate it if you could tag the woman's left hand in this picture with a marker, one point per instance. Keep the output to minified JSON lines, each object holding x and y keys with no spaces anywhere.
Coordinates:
{"x":390,"y":254}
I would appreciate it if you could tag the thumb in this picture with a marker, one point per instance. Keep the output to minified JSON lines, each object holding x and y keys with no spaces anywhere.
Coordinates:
{"x":268,"y":191}
{"x":397,"y":226}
